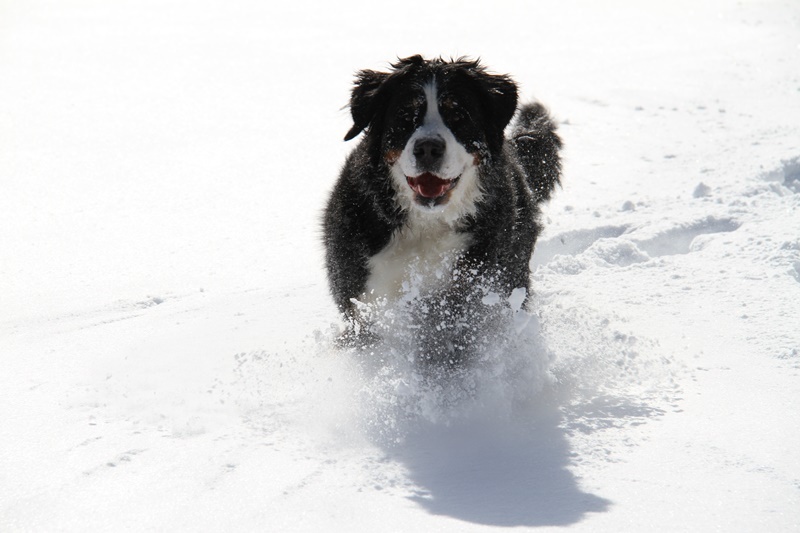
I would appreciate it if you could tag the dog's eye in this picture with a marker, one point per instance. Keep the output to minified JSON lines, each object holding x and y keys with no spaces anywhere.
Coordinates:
{"x":411,"y":110}
{"x":454,"y":112}
{"x":457,"y":114}
{"x":449,"y":104}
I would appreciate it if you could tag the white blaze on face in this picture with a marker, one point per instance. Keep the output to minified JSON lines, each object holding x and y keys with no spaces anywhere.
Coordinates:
{"x":456,"y":158}
{"x":457,"y":163}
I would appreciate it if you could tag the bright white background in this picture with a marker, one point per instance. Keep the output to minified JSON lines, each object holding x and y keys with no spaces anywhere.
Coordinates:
{"x":165,"y":359}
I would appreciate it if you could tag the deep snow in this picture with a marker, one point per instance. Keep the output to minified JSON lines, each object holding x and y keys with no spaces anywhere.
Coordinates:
{"x":165,"y":327}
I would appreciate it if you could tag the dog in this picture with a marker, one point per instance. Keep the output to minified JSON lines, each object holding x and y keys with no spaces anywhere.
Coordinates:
{"x":435,"y":207}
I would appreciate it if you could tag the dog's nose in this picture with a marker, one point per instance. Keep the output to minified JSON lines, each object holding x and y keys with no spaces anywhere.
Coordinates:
{"x":429,"y":152}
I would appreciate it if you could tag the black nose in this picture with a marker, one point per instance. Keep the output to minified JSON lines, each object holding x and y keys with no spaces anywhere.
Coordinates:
{"x":429,"y":152}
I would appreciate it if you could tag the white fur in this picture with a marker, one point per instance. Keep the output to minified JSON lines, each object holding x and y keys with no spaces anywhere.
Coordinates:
{"x":421,"y":254}
{"x":419,"y":257}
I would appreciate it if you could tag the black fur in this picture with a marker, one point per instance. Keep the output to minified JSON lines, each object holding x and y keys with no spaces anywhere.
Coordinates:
{"x":515,"y":174}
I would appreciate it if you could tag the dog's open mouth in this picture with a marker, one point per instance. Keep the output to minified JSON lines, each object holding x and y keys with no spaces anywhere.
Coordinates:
{"x":431,"y":186}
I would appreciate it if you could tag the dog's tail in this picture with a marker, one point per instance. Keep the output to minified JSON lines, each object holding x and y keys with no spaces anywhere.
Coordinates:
{"x":537,"y":144}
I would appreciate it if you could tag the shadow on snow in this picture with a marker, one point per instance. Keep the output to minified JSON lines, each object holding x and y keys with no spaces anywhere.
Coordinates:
{"x":498,"y":474}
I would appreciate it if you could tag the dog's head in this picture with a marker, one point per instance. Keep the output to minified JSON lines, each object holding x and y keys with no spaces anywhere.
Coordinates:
{"x":433,"y":122}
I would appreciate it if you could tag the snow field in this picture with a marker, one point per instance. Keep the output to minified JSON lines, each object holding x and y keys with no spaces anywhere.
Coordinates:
{"x":166,"y":332}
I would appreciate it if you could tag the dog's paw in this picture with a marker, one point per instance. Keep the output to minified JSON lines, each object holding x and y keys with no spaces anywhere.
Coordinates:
{"x":357,"y":337}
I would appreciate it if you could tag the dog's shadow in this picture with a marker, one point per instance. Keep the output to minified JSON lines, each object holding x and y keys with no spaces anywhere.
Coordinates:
{"x":506,"y":464}
{"x":498,"y":474}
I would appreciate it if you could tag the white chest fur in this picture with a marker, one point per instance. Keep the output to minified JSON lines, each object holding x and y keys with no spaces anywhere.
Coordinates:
{"x":419,"y":258}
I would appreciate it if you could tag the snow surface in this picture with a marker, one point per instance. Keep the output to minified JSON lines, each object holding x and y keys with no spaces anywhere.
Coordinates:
{"x":165,"y":327}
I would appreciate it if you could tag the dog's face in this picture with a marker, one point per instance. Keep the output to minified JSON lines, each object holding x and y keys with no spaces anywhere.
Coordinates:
{"x":433,"y":123}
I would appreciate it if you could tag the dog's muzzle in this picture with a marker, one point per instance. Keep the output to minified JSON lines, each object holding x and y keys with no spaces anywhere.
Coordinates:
{"x":429,"y":153}
{"x":431,"y":186}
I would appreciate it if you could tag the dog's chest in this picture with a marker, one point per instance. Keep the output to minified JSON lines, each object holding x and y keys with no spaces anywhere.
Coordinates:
{"x":418,"y":259}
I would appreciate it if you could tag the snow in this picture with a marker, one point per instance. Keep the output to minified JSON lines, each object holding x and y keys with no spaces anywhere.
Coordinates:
{"x":166,"y":331}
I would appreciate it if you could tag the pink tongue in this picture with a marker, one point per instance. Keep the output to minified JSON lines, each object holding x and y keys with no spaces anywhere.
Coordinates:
{"x":428,"y":185}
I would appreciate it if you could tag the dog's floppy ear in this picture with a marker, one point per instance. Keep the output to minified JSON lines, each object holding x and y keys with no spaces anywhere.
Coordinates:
{"x":502,"y":93}
{"x":499,"y":95}
{"x":363,"y":100}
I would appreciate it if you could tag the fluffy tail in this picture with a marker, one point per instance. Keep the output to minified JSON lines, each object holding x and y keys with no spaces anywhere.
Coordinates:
{"x":537,"y":143}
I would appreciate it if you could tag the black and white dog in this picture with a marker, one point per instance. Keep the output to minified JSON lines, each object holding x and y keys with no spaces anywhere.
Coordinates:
{"x":435,"y":206}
